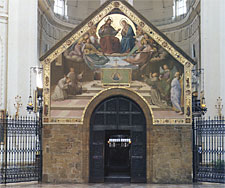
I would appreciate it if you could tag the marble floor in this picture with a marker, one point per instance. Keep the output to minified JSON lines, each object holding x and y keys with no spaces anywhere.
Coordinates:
{"x":109,"y":185}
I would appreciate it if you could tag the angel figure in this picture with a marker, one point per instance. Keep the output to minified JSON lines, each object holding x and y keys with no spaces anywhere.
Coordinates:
{"x":143,"y":55}
{"x":76,"y":50}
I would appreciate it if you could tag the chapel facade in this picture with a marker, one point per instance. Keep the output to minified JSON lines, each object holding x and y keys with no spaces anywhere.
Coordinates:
{"x":117,"y":102}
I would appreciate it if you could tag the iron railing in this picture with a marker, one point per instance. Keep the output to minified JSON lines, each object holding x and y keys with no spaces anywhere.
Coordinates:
{"x":20,"y":149}
{"x":209,"y":150}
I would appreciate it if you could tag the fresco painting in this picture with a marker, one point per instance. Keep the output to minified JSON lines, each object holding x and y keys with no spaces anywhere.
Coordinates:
{"x":117,"y":44}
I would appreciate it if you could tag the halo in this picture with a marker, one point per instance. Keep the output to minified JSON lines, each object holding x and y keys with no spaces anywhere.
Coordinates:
{"x":116,"y":23}
{"x":123,"y":19}
{"x":107,"y":18}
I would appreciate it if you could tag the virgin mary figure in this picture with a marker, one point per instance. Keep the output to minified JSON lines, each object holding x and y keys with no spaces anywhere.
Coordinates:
{"x":128,"y":40}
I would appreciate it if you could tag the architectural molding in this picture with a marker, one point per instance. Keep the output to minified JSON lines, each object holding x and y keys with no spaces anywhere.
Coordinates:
{"x":187,"y":20}
{"x":50,"y":15}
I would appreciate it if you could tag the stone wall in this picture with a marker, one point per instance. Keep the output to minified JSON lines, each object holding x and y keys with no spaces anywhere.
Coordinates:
{"x":62,"y":153}
{"x":169,"y":155}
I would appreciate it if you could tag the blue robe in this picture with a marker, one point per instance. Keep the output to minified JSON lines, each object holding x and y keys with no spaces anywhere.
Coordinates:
{"x":175,"y":94}
{"x":128,"y":41}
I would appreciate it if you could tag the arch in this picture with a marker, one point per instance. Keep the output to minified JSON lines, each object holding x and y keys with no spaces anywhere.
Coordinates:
{"x":118,"y":91}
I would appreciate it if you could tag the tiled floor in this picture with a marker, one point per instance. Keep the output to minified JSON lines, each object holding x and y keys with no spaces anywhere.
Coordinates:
{"x":31,"y":185}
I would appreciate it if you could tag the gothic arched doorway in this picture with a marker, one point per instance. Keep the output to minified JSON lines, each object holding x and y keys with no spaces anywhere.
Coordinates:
{"x":117,"y":141}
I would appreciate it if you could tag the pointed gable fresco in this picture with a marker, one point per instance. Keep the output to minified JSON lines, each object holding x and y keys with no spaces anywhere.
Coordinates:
{"x":116,"y":47}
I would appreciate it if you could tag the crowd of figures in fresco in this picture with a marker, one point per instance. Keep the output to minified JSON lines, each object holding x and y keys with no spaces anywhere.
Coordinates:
{"x":101,"y":48}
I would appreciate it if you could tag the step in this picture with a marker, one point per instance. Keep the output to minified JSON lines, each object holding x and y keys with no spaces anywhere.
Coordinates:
{"x":79,"y":103}
{"x":67,"y":114}
{"x":68,"y":107}
{"x":82,"y":96}
{"x":117,"y":179}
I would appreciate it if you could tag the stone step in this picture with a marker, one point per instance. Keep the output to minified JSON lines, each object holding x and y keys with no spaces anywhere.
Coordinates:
{"x":100,"y":86}
{"x":82,"y":96}
{"x":67,"y":114}
{"x":67,"y":107}
{"x":97,"y":90}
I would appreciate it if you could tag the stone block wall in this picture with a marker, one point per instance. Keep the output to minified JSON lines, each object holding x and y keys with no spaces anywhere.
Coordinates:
{"x":169,"y":154}
{"x":62,"y":153}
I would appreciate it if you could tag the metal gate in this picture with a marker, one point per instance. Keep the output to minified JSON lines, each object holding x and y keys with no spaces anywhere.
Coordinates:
{"x":209,"y":150}
{"x":20,"y":152}
{"x":118,"y":114}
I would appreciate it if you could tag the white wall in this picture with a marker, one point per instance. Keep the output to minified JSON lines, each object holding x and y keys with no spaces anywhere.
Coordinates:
{"x":3,"y":51}
{"x":22,"y":50}
{"x":213,"y":48}
{"x":222,"y":54}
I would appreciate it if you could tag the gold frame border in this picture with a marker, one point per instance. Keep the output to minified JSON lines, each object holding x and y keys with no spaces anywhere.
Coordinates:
{"x":154,"y":35}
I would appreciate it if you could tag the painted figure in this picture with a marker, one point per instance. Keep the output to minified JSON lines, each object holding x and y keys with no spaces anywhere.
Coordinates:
{"x":108,"y":42}
{"x":138,"y":38}
{"x":176,"y":93}
{"x":93,"y":58}
{"x":166,"y":76}
{"x":76,"y":51}
{"x":143,"y":55}
{"x":75,"y":87}
{"x":154,"y":82}
{"x":61,"y":90}
{"x":128,"y":40}
{"x":93,"y":37}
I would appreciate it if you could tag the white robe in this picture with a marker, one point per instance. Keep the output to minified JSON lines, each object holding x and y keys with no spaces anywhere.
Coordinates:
{"x":60,"y":92}
{"x":175,"y":94}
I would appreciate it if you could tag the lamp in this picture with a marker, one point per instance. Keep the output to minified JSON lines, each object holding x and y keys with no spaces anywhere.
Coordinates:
{"x":30,"y":106}
{"x":203,"y":105}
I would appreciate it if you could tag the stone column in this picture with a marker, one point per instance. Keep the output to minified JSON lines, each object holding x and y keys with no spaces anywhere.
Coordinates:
{"x":3,"y":51}
{"x":22,"y":50}
{"x":213,"y":57}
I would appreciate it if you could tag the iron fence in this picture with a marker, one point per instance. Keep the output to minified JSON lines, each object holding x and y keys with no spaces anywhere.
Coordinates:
{"x":209,"y":150}
{"x":20,"y":149}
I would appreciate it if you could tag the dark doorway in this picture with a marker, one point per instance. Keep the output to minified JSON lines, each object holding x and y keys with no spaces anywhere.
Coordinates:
{"x":118,"y":141}
{"x":117,"y":155}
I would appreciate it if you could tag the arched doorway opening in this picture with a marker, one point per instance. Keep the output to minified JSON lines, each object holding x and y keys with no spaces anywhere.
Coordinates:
{"x":117,"y":141}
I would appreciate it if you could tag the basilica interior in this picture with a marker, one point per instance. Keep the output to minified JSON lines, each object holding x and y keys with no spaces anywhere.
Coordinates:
{"x":114,"y":84}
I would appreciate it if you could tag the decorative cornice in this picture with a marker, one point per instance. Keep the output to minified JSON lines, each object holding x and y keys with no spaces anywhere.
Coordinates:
{"x":47,"y":10}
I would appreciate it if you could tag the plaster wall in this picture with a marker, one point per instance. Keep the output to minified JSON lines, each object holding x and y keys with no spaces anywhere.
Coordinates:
{"x":212,"y":54}
{"x":22,"y":51}
{"x":3,"y":51}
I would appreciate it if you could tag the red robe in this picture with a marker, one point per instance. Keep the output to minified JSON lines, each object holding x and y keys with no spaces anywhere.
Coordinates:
{"x":108,"y":42}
